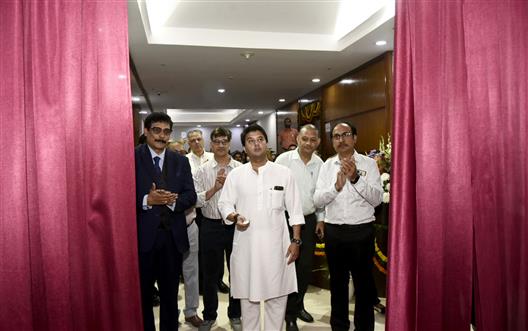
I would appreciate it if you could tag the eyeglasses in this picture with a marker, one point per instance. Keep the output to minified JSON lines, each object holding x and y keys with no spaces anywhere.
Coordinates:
{"x":158,"y":130}
{"x":337,"y":136}
{"x":220,"y":141}
{"x":254,"y":142}
{"x":195,"y":140}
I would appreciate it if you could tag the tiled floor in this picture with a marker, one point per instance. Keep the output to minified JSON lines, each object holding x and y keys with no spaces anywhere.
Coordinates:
{"x":317,"y":302}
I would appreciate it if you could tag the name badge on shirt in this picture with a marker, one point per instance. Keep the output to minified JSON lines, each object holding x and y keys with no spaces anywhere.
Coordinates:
{"x":362,"y":173}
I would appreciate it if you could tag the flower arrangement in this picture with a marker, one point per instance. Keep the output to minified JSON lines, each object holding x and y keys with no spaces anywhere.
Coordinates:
{"x":383,"y":157}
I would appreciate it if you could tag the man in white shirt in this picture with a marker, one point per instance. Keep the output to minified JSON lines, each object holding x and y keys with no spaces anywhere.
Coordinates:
{"x":215,"y":236}
{"x":304,"y":165}
{"x":198,"y":156}
{"x":190,"y":269}
{"x":349,"y":187}
{"x":254,"y":197}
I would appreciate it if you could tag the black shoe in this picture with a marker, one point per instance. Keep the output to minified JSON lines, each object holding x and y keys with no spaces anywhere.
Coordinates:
{"x":222,"y":287}
{"x":380,"y":308}
{"x":305,"y":316}
{"x":155,"y":300}
{"x":291,"y":326}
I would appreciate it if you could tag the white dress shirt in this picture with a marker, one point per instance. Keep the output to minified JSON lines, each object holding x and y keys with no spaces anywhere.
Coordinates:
{"x":306,"y":177}
{"x":355,"y":203}
{"x":162,"y":159}
{"x":204,"y":180}
{"x":196,"y":162}
{"x":154,"y":154}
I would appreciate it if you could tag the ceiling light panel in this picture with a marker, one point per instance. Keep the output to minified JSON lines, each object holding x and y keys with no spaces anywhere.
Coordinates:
{"x":219,"y":23}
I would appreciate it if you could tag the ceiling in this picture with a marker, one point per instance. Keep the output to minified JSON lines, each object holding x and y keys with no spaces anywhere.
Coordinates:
{"x":257,"y":51}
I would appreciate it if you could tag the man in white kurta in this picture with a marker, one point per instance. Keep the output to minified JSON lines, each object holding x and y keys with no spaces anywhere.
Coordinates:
{"x":255,"y":196}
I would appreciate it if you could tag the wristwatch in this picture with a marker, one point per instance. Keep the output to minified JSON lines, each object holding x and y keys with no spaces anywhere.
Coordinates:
{"x":355,"y":180}
{"x":296,"y":241}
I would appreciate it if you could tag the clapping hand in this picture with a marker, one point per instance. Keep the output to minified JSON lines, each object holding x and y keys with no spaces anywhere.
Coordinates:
{"x":160,"y":196}
{"x":340,"y":181}
{"x":348,"y":167}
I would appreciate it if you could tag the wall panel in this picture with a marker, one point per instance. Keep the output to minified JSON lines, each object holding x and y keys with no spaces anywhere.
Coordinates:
{"x":365,"y":103}
{"x":370,"y":126}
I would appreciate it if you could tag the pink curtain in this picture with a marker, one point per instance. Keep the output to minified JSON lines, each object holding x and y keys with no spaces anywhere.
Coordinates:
{"x":68,"y":256}
{"x":459,"y":184}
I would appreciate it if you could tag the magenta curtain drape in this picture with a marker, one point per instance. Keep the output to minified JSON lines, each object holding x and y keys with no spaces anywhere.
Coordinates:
{"x":68,"y":256}
{"x":460,"y":177}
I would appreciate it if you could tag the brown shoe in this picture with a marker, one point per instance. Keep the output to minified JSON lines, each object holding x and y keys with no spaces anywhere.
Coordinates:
{"x":194,"y":320}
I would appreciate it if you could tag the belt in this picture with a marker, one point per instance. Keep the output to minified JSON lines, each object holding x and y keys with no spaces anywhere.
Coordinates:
{"x":310,"y":215}
{"x":213,"y":219}
{"x":350,"y":226}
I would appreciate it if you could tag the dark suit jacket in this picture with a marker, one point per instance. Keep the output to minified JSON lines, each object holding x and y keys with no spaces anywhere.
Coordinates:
{"x":178,"y":179}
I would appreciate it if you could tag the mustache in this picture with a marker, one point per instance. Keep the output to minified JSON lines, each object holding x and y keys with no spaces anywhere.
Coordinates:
{"x":161,"y":141}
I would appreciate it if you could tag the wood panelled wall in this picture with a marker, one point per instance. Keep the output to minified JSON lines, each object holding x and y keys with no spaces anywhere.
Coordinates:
{"x":366,"y":103}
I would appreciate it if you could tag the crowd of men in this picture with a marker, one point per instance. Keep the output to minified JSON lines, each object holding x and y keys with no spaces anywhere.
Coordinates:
{"x":194,"y":210}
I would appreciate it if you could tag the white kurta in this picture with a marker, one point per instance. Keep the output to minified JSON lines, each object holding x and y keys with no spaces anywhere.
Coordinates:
{"x":259,"y":269}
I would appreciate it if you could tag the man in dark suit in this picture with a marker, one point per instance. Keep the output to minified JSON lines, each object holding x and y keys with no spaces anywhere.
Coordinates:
{"x":164,"y":190}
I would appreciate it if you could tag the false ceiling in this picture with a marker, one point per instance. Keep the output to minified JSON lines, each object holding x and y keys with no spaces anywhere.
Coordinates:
{"x":256,"y":51}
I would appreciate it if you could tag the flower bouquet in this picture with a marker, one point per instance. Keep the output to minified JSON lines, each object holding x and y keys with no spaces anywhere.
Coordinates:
{"x":383,"y":157}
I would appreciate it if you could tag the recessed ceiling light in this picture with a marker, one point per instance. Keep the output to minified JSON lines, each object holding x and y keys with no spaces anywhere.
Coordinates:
{"x":347,"y":81}
{"x":221,"y":90}
{"x":260,"y":112}
{"x":247,"y":55}
{"x":304,"y":100}
{"x":199,"y":126}
{"x":136,"y":99}
{"x":247,"y":120}
{"x":282,"y":100}
{"x":315,"y":80}
{"x":238,"y":125}
{"x":143,"y":112}
{"x":381,"y":43}
{"x":246,"y":125}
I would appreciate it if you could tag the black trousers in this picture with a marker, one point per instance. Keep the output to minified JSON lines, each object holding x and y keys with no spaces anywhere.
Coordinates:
{"x":303,"y":267}
{"x":215,"y":237}
{"x":163,"y":263}
{"x":349,"y":250}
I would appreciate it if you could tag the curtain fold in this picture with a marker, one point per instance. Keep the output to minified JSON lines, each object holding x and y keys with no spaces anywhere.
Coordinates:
{"x":458,"y":211}
{"x":69,"y":250}
{"x":498,"y":93}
